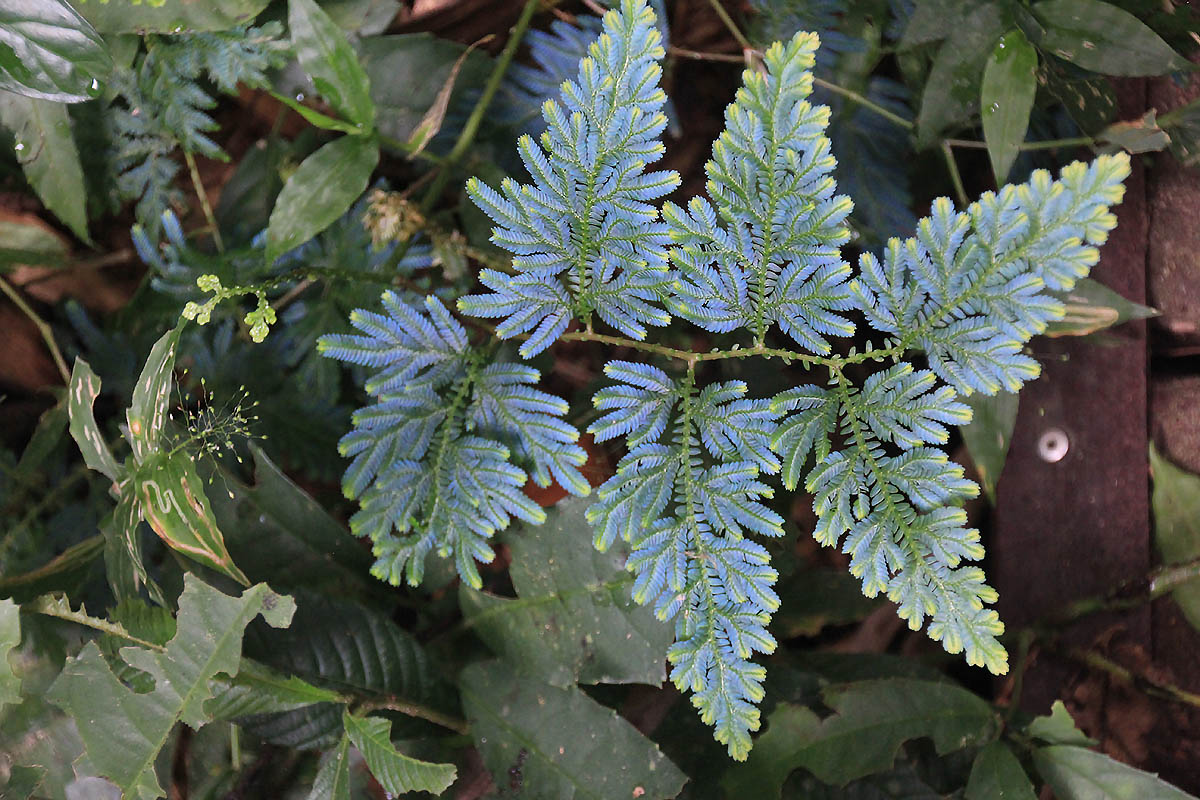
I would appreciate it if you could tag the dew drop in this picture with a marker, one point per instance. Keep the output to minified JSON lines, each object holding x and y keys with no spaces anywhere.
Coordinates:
{"x":1000,"y":46}
{"x":299,"y":97}
{"x":994,"y":107}
{"x":20,"y":146}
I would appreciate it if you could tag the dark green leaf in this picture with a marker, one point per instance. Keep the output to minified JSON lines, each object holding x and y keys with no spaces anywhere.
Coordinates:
{"x":1102,"y":38}
{"x":872,"y":720}
{"x":989,"y":434}
{"x":316,"y":118}
{"x":1136,"y":136}
{"x":333,"y":779}
{"x":174,"y":16}
{"x":1183,"y":126}
{"x":574,"y":619}
{"x":1092,"y":306}
{"x":312,"y":727}
{"x":122,"y":746}
{"x":998,"y":775}
{"x":23,"y":781}
{"x":396,"y":772}
{"x":276,"y":532}
{"x":48,"y":51}
{"x":29,"y":241}
{"x":1078,"y":774}
{"x":1087,"y":98}
{"x":259,"y":690}
{"x":1176,"y":504}
{"x":47,"y":153}
{"x":559,"y":742}
{"x":951,"y":93}
{"x":82,"y":392}
{"x":345,"y":646}
{"x":327,"y":57}
{"x":1006,"y":97}
{"x":813,"y":599}
{"x":407,"y":73}
{"x":933,"y":20}
{"x":63,"y":572}
{"x":1058,"y":728}
{"x":10,"y":637}
{"x":319,"y":192}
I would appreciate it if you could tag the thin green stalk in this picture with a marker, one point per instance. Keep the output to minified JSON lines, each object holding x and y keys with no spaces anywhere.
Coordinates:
{"x":467,"y":135}
{"x":470,"y":129}
{"x":42,"y":327}
{"x":870,"y":105}
{"x":1047,"y":144}
{"x":730,"y":24}
{"x":205,"y":206}
{"x":952,"y":166}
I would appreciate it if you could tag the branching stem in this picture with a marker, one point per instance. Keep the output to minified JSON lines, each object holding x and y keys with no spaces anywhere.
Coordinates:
{"x":42,"y":327}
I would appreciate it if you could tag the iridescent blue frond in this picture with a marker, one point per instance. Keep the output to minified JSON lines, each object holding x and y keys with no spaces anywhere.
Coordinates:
{"x":585,"y":235}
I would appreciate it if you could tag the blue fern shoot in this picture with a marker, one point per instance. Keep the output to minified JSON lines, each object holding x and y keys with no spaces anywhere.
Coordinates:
{"x":438,"y":457}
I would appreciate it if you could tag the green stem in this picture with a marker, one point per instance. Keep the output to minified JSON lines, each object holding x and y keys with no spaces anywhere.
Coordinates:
{"x":1148,"y":683}
{"x":198,"y":185}
{"x":467,"y":136}
{"x":870,"y":105}
{"x":414,"y":710}
{"x":730,"y":24}
{"x":42,"y":327}
{"x":60,"y":608}
{"x":470,"y":129}
{"x":1048,"y":144}
{"x":952,"y":166}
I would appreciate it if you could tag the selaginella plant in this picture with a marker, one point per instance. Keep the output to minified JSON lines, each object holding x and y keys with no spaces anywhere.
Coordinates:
{"x":453,"y":433}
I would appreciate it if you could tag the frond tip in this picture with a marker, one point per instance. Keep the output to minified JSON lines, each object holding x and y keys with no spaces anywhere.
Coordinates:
{"x":585,"y":235}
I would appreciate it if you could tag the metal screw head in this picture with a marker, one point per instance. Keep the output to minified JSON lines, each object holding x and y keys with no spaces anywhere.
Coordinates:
{"x":1053,"y":445}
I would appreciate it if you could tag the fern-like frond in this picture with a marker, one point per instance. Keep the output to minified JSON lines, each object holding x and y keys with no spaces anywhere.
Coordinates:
{"x":971,"y":288}
{"x":164,"y":104}
{"x":686,"y":496}
{"x":432,"y":456}
{"x":769,"y":252}
{"x":586,"y":230}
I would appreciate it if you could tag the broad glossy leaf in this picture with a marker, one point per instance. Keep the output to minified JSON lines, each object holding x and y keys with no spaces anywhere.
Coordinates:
{"x":312,"y":727}
{"x":171,"y":498}
{"x":1088,"y":98}
{"x":1102,"y":38}
{"x":872,"y":720}
{"x":173,"y":16}
{"x":333,"y":779}
{"x":989,"y":434}
{"x":998,"y":775}
{"x":407,"y":73}
{"x":396,"y":772}
{"x":561,"y":742}
{"x":49,"y":51}
{"x":1176,"y":504}
{"x":47,"y":153}
{"x":10,"y":637}
{"x":1092,"y":306}
{"x":951,"y":93}
{"x":84,"y":388}
{"x":1006,"y":98}
{"x":933,"y":20}
{"x":327,"y":57}
{"x":124,"y":731}
{"x":1076,"y":773}
{"x":147,"y":414}
{"x":573,"y":619}
{"x":320,"y":191}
